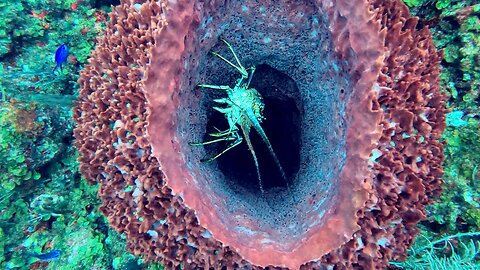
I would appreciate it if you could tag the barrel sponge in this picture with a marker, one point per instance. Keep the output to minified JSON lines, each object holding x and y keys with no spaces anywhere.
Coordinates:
{"x":353,"y":108}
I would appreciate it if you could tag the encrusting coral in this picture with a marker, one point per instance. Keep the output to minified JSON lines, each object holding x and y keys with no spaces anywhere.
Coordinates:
{"x":359,"y":85}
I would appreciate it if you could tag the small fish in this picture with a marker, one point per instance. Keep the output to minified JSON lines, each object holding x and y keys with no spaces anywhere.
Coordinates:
{"x":61,"y":56}
{"x":47,"y":256}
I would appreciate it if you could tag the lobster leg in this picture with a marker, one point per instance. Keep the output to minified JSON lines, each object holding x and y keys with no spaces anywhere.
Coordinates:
{"x":218,"y":87}
{"x":246,"y":134}
{"x":262,"y":134}
{"x":232,"y":145}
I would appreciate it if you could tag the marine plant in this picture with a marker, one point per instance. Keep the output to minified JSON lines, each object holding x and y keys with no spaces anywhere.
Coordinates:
{"x":18,"y":128}
{"x":459,"y":204}
{"x":455,"y":29}
{"x":16,"y":26}
{"x":39,"y":173}
{"x":26,"y":67}
{"x":426,"y":254}
{"x":415,"y":3}
{"x":454,"y":25}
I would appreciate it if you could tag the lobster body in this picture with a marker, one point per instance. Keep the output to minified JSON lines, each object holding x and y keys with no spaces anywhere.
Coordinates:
{"x":243,"y":108}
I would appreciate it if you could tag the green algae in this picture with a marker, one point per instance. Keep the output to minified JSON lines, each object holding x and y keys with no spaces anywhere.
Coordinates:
{"x":455,"y":28}
{"x":45,"y":204}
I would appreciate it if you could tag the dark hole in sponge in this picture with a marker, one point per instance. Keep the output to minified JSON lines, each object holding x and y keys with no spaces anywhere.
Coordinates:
{"x":282,"y":127}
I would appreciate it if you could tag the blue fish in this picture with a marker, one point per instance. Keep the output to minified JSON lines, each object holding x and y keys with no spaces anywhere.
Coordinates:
{"x":61,"y":56}
{"x":47,"y":256}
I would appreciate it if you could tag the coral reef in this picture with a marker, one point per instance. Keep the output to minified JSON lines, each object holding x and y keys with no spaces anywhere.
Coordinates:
{"x":39,"y":176}
{"x":454,"y":25}
{"x":369,"y":159}
{"x":460,"y":204}
{"x":455,"y":28}
{"x":457,"y":32}
{"x":26,"y":65}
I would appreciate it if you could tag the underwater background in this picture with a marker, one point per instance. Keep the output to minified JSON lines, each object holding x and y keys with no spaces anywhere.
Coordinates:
{"x":49,"y":217}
